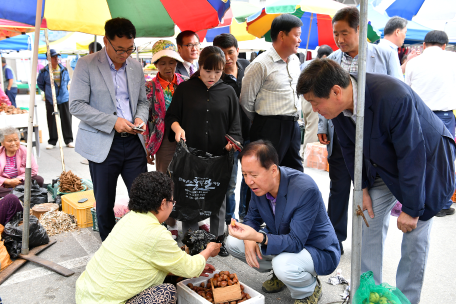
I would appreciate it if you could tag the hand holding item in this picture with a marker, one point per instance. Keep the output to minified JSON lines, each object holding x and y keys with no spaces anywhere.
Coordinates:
{"x":180,"y":133}
{"x":123,"y":125}
{"x":243,"y":232}
{"x":214,"y":248}
{"x":323,"y":138}
{"x":11,"y":183}
{"x":150,"y":158}
{"x":138,"y":128}
{"x":208,"y":269}
{"x":229,"y":146}
{"x":406,"y":223}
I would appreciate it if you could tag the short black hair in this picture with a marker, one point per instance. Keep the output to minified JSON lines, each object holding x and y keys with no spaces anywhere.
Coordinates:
{"x":438,"y":38}
{"x":183,"y":34}
{"x":225,"y":41}
{"x":92,"y":47}
{"x":120,"y":27}
{"x":393,"y":24}
{"x":148,"y":191}
{"x":211,"y":58}
{"x":324,"y":50}
{"x":348,"y":14}
{"x":264,"y":152}
{"x":284,"y":23}
{"x":320,"y":76}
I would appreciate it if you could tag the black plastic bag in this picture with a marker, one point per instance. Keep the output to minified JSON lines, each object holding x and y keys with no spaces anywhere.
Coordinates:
{"x":200,"y":182}
{"x":12,"y":234}
{"x":197,"y":241}
{"x":37,"y":195}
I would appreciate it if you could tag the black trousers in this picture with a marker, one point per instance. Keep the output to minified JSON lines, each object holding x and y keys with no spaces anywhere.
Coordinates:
{"x":285,"y":136}
{"x":127,"y":158}
{"x":339,"y":192}
{"x":65,"y":120}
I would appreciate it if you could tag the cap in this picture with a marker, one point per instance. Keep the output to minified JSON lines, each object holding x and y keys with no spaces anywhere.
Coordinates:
{"x":165,"y":48}
{"x":54,"y":53}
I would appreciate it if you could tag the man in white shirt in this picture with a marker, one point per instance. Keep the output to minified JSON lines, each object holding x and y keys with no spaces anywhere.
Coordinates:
{"x":188,"y":46}
{"x":433,"y":77}
{"x":268,"y":93}
{"x":394,"y":36}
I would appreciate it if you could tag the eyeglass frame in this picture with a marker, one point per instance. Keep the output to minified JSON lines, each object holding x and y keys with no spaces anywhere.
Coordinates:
{"x":192,"y":45}
{"x":172,"y":201}
{"x":122,"y":52}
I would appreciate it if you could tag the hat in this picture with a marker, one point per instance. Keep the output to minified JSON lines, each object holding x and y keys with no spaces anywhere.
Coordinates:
{"x":54,"y":53}
{"x":165,"y":48}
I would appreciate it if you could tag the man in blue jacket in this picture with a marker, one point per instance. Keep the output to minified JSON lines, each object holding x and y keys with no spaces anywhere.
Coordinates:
{"x":408,"y":155}
{"x":61,"y":80}
{"x":299,"y":242}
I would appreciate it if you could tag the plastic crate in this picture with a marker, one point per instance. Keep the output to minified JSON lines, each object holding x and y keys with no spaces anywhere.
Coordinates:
{"x":81,"y":211}
{"x":187,"y":296}
{"x":54,"y":191}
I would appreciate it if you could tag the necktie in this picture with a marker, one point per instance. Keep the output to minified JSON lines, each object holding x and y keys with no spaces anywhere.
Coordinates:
{"x":192,"y":70}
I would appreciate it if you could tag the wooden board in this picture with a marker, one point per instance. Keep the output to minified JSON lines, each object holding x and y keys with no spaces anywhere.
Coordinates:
{"x":47,"y":264}
{"x":228,"y":293}
{"x":8,"y":271}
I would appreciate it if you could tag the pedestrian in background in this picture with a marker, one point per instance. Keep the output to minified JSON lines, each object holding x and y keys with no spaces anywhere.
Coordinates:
{"x":188,"y":45}
{"x":61,"y":81}
{"x":9,"y":82}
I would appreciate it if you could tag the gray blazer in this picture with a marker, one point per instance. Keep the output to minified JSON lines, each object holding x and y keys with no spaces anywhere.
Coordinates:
{"x":380,"y":59}
{"x":93,"y":101}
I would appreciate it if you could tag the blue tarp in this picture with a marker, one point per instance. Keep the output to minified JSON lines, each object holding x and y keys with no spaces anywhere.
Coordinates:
{"x":16,"y":43}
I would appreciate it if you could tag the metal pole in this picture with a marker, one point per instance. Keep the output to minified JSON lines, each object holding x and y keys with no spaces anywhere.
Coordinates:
{"x":95,"y":48}
{"x":358,"y":192}
{"x":1,"y":74}
{"x":54,"y":100}
{"x":28,"y":165}
{"x":308,"y":36}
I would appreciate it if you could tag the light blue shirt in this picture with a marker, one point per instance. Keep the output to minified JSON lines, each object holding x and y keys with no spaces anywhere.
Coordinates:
{"x":119,"y":78}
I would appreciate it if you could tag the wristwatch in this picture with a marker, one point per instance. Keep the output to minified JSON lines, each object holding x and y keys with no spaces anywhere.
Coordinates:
{"x":264,"y":238}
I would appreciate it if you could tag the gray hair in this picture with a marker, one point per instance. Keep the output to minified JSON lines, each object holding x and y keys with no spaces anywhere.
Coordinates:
{"x":393,"y":24}
{"x":8,"y":131}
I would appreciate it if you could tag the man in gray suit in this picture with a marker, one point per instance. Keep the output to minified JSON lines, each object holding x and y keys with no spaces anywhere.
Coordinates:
{"x":379,"y":60}
{"x":108,"y":95}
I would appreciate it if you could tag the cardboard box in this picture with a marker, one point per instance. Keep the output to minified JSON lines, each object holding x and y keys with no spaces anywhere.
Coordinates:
{"x":228,"y":293}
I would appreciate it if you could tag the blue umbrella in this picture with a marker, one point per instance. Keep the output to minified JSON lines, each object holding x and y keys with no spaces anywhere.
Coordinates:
{"x":424,"y":9}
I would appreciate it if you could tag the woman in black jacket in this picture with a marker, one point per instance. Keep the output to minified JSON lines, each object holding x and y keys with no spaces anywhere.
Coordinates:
{"x":203,"y":110}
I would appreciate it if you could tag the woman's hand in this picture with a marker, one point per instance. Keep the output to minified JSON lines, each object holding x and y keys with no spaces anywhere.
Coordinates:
{"x":150,"y":158}
{"x":11,"y":183}
{"x":244,"y":232}
{"x":252,"y":251}
{"x":207,"y":269}
{"x":214,"y":248}
{"x":180,"y":133}
{"x":229,"y":146}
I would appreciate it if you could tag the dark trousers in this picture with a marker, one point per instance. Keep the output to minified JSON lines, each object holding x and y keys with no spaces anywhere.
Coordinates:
{"x":127,"y":158}
{"x":447,"y":117}
{"x":65,"y":120}
{"x":339,"y":192}
{"x":285,"y":136}
{"x":12,"y":95}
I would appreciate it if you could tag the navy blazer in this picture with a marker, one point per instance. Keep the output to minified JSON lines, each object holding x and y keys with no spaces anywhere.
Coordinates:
{"x":405,"y":143}
{"x":180,"y":69}
{"x":300,"y":221}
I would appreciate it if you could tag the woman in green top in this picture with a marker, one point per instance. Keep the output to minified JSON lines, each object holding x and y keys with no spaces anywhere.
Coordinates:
{"x":139,"y":253}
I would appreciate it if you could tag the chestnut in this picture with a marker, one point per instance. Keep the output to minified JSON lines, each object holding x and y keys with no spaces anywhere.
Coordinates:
{"x":223,"y":284}
{"x":232,"y":276}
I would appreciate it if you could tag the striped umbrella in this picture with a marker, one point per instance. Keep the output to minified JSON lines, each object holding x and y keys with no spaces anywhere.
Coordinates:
{"x":152,"y":18}
{"x":10,"y":29}
{"x":422,"y":9}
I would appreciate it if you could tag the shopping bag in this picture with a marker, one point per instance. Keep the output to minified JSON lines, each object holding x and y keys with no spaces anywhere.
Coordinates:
{"x":200,"y":182}
{"x":37,"y":195}
{"x":12,"y":234}
{"x":384,"y":293}
{"x":5,"y":259}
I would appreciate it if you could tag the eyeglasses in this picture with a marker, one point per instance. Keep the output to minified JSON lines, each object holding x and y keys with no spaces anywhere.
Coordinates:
{"x":172,"y":201}
{"x":121,"y":52}
{"x":191,"y":46}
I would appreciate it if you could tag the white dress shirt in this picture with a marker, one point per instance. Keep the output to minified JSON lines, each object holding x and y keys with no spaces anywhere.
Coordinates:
{"x":432,"y":75}
{"x":388,"y":44}
{"x":269,"y":86}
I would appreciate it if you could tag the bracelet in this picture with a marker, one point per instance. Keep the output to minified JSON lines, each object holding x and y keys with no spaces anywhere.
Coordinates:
{"x":264,"y":238}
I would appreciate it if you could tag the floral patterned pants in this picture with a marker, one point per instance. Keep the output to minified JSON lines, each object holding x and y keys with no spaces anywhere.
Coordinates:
{"x":160,"y":294}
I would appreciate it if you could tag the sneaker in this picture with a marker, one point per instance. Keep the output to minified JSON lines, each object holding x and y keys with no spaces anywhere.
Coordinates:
{"x":273,"y":285}
{"x":50,"y":147}
{"x":341,"y":248}
{"x":223,"y":252}
{"x":205,"y":227}
{"x":445,"y":212}
{"x":85,"y":162}
{"x":70,"y":145}
{"x":314,"y":298}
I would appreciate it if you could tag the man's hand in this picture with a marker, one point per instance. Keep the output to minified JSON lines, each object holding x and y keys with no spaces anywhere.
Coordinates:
{"x":413,"y":54}
{"x":123,"y":125}
{"x":140,"y":124}
{"x":406,"y":223}
{"x":150,"y":158}
{"x":367,"y":203}
{"x":207,"y":269}
{"x":244,"y":232}
{"x":323,"y":138}
{"x":252,"y":251}
{"x":11,"y":183}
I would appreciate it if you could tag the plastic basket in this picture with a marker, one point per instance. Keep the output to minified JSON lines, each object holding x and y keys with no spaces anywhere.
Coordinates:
{"x":81,"y":211}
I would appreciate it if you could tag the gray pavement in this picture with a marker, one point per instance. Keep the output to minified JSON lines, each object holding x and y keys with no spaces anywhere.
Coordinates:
{"x":33,"y":284}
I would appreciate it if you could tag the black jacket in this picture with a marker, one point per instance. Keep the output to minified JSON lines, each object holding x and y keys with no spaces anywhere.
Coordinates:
{"x":180,"y":69}
{"x":237,"y":85}
{"x":206,"y":115}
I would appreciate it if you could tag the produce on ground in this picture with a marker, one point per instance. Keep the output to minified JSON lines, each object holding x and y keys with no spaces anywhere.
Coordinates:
{"x":376,"y":298}
{"x":70,"y":182}
{"x":56,"y":222}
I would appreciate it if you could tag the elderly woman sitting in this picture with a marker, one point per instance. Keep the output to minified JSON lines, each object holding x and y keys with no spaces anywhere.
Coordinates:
{"x":12,"y":162}
{"x":133,"y":261}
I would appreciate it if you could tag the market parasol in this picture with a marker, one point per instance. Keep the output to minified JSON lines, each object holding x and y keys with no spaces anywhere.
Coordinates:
{"x":151,"y":18}
{"x":316,"y":16}
{"x":10,"y":28}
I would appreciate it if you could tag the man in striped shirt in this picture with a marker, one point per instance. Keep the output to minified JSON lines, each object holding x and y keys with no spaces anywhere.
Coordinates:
{"x":268,"y":93}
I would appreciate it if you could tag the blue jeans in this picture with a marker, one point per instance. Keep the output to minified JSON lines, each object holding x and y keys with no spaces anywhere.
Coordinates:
{"x":295,"y":270}
{"x":447,"y":117}
{"x":12,"y":95}
{"x":230,"y":195}
{"x":414,"y":248}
